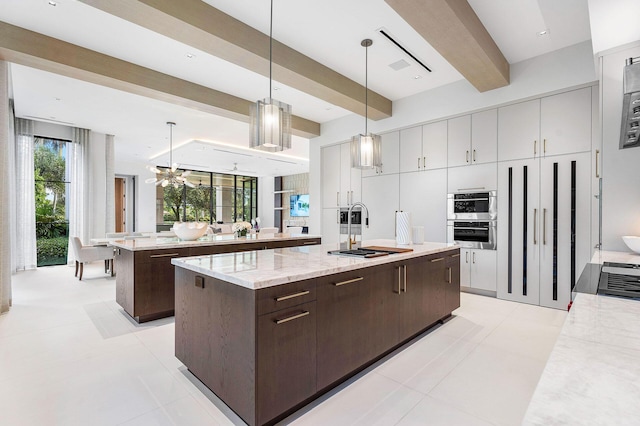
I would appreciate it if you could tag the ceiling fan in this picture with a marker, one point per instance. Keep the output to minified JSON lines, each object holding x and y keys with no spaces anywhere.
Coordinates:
{"x":236,"y":170}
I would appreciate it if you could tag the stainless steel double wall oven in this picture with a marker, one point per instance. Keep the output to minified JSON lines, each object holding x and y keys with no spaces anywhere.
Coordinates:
{"x":472,"y":219}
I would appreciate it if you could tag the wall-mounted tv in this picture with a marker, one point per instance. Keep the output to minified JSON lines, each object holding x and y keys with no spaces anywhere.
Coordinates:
{"x":299,"y":205}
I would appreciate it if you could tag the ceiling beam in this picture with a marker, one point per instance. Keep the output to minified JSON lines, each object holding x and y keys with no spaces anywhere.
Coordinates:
{"x":455,"y":31}
{"x":35,"y":50}
{"x":197,"y":24}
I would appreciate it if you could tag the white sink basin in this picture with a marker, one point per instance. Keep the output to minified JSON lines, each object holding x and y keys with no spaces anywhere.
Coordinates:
{"x":632,"y":242}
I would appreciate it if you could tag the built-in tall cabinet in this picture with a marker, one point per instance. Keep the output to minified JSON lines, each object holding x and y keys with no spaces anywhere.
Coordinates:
{"x":389,"y":153}
{"x":424,"y":194}
{"x":423,"y":147}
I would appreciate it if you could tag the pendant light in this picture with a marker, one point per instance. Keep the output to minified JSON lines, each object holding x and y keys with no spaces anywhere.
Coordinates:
{"x":366,"y":148}
{"x":170,"y":176}
{"x":270,"y":123}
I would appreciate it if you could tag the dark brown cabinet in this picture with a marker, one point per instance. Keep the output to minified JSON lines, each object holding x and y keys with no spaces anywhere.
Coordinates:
{"x":452,"y":282}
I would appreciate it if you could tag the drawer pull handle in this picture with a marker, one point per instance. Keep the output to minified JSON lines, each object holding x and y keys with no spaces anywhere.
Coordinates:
{"x":164,"y":255}
{"x":292,"y":317}
{"x":349,"y":281}
{"x":455,"y":255}
{"x":437,"y":260}
{"x":309,"y":242}
{"x":449,"y":275}
{"x":291,"y":296}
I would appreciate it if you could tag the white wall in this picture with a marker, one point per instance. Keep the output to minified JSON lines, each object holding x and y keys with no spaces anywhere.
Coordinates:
{"x":145,"y":193}
{"x":265,"y":201}
{"x":620,"y":172}
{"x":564,"y":68}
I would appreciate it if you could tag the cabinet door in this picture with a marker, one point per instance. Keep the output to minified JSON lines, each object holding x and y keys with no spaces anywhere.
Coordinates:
{"x":286,"y":359}
{"x":484,"y":137}
{"x":482,"y":177}
{"x":424,"y":194}
{"x":330,"y":177}
{"x":380,"y":195}
{"x":519,"y":231}
{"x":565,"y":122}
{"x":390,"y":156}
{"x":350,"y":178}
{"x":345,"y":321}
{"x":411,"y":149}
{"x":519,"y":131}
{"x":434,"y":145}
{"x":459,"y":141}
{"x":465,"y":267}
{"x":330,"y":226}
{"x":452,"y":283}
{"x":565,"y":243}
{"x":483,"y":269}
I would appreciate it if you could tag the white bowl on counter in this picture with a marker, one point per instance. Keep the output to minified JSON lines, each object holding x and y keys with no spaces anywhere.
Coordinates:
{"x":189,"y":231}
{"x":632,"y":242}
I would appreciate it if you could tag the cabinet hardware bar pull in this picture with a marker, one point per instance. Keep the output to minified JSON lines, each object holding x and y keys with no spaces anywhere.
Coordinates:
{"x":338,"y":216}
{"x":165,"y":255}
{"x":544,"y":226}
{"x":351,"y":197}
{"x":404,"y":268}
{"x":309,"y":242}
{"x":456,"y":255}
{"x":449,"y":274}
{"x":474,"y":155}
{"x":473,"y":257}
{"x":338,"y":198}
{"x":424,"y":162}
{"x":535,"y":222}
{"x":399,"y":279}
{"x":597,"y":155}
{"x":292,"y":317}
{"x":437,"y":260}
{"x":466,"y":257}
{"x":418,"y":162}
{"x":466,"y":156}
{"x":291,"y":296}
{"x":395,"y":224}
{"x":534,"y":147}
{"x":349,"y":281}
{"x":544,"y":146}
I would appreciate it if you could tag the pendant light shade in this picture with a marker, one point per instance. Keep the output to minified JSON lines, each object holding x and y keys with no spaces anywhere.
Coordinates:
{"x":366,"y":149}
{"x":270,"y":122}
{"x":170,"y":176}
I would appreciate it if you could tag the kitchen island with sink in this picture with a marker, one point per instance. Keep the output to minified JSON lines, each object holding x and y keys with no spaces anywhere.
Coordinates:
{"x":269,"y":331}
{"x":145,"y":275}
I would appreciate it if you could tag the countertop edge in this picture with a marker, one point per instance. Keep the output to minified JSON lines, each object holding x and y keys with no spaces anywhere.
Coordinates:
{"x":130,"y":244}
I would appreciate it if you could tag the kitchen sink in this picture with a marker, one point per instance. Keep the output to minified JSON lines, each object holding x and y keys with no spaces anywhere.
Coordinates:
{"x":360,"y":252}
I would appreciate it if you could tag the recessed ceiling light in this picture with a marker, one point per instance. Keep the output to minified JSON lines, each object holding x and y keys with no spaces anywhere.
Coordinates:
{"x":58,"y":99}
{"x":543,"y":33}
{"x":328,"y":108}
{"x":52,"y":3}
{"x":276,"y":88}
{"x":417,"y":77}
{"x":190,"y":55}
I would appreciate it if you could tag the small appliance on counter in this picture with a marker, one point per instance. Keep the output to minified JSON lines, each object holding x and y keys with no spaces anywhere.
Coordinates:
{"x":620,"y":279}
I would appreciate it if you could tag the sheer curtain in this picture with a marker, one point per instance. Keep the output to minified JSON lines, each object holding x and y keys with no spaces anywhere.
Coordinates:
{"x":25,"y":255}
{"x":79,"y":175}
{"x":7,"y":189}
{"x":110,"y":214}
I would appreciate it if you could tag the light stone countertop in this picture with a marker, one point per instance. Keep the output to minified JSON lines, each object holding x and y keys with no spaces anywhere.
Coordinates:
{"x":592,"y":376}
{"x":159,"y":243}
{"x":265,"y":268}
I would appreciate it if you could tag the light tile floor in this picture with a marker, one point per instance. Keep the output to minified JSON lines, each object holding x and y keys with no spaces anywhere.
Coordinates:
{"x":70,"y":356}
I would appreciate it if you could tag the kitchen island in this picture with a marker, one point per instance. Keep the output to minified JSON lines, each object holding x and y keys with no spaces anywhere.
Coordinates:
{"x":145,"y":276}
{"x":269,"y":331}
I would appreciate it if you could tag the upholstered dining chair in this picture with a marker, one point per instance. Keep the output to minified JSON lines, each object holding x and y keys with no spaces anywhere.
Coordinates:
{"x":268,"y":230}
{"x":294,"y":230}
{"x":91,"y":254}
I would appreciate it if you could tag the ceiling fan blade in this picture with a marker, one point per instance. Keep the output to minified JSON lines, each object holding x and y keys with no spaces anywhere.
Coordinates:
{"x":186,"y":173}
{"x":151,"y":180}
{"x":174,"y":167}
{"x":189,"y":184}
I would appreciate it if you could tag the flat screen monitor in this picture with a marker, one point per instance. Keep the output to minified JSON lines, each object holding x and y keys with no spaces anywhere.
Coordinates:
{"x":299,"y":205}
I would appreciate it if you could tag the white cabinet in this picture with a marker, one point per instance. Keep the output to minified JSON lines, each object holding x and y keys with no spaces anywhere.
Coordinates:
{"x":543,"y":228}
{"x":424,"y":194}
{"x":459,"y":141}
{"x":424,"y":147}
{"x":390,"y":156}
{"x":519,"y":131}
{"x":518,"y":234}
{"x":478,"y":269}
{"x":482,"y":177}
{"x":330,"y":226}
{"x":484,"y":137}
{"x":565,"y":244}
{"x":380,"y":195}
{"x":340,"y":183}
{"x":330,"y":175}
{"x":350,"y":178}
{"x":565,"y":122}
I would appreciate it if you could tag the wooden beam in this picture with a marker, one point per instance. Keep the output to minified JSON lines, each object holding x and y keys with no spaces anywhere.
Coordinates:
{"x":197,"y":24}
{"x":454,"y":30}
{"x":35,"y":50}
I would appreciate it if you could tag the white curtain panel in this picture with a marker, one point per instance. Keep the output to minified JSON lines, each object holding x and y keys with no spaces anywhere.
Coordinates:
{"x":25,"y":255}
{"x":110,"y":203}
{"x":6,"y":159}
{"x":79,"y":176}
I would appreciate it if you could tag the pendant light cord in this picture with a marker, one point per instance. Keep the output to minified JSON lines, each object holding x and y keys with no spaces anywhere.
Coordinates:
{"x":366,"y":88}
{"x":270,"y":48}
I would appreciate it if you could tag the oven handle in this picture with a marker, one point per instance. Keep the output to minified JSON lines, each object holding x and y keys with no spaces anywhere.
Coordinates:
{"x":471,"y":199}
{"x":471,"y":228}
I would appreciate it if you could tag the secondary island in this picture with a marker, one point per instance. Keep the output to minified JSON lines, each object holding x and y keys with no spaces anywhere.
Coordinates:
{"x":145,"y":275}
{"x":269,"y":331}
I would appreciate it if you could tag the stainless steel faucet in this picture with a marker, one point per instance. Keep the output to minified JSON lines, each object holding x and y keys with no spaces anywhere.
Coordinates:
{"x":366,"y":220}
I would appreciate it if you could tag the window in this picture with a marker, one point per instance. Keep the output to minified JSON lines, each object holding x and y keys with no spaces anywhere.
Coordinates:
{"x":51,"y":187}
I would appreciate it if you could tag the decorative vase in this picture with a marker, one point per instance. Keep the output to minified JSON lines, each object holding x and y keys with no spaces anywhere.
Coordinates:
{"x":242,"y":233}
